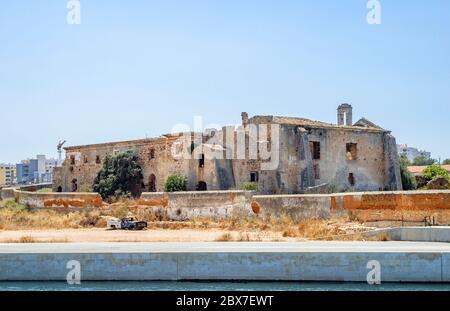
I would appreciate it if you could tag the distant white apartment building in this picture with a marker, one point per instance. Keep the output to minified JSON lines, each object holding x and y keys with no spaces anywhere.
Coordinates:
{"x":412,"y":153}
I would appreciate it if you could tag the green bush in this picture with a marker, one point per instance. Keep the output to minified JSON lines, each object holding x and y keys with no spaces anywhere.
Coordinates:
{"x":421,"y":161}
{"x":435,"y":170}
{"x":249,"y":186}
{"x":120,"y":176}
{"x":176,"y":183}
{"x":446,"y":162}
{"x":408,"y":180}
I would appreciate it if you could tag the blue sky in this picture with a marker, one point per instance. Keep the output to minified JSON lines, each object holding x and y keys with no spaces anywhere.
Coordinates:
{"x":136,"y":68}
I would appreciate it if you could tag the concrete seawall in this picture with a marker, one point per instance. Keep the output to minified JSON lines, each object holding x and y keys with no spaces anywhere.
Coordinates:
{"x":300,"y":261}
{"x":414,"y":234}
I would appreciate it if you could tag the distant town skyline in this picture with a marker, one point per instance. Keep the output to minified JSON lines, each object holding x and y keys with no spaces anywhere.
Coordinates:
{"x":132,"y":70}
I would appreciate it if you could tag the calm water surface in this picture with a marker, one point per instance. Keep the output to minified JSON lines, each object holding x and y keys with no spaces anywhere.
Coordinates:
{"x":213,"y":286}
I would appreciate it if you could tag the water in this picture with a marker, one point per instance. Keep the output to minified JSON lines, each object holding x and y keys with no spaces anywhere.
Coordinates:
{"x":217,"y":286}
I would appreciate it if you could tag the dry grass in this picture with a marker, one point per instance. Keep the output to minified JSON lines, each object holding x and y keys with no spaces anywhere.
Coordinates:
{"x":226,"y":237}
{"x":14,"y":216}
{"x":30,"y":239}
{"x":237,"y":237}
{"x":26,"y":239}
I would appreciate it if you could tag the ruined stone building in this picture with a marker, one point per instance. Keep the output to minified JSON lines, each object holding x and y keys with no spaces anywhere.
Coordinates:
{"x":304,"y":156}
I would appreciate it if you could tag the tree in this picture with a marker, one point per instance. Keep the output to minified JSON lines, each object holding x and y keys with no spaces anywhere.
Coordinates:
{"x":176,"y":183}
{"x":120,"y":175}
{"x":422,"y":160}
{"x":435,"y":170}
{"x":446,"y":162}
{"x":408,"y":180}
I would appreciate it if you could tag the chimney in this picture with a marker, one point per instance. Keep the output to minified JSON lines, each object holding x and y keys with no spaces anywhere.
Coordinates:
{"x":244,"y":116}
{"x":345,"y":115}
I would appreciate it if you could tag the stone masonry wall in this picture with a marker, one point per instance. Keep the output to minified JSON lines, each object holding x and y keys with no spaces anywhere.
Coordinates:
{"x":189,"y":205}
{"x":382,"y":208}
{"x":58,"y":200}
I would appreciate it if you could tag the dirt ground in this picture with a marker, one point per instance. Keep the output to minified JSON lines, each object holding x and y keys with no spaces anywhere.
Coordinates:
{"x":151,"y":235}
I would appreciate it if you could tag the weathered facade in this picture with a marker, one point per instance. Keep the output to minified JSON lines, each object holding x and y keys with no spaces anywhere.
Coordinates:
{"x":304,"y":156}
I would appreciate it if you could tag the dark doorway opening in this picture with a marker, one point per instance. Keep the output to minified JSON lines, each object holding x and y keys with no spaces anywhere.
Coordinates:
{"x":74,"y":185}
{"x":59,"y":189}
{"x":152,"y":183}
{"x":351,"y":179}
{"x":201,"y":186}
{"x":201,"y":161}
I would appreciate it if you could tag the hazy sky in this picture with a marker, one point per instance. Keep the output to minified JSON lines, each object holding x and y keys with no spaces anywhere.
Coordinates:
{"x":133,"y":69}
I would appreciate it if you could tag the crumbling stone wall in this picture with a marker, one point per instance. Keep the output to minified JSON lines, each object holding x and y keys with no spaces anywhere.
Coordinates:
{"x":195,"y":204}
{"x":399,"y":208}
{"x":58,"y":200}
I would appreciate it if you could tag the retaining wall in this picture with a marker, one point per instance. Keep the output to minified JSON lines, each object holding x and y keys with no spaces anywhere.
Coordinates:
{"x":6,"y":193}
{"x":58,"y":200}
{"x":191,"y":204}
{"x":399,"y":207}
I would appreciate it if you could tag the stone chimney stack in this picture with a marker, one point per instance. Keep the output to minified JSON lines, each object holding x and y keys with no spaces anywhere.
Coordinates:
{"x":345,"y":115}
{"x":244,"y":116}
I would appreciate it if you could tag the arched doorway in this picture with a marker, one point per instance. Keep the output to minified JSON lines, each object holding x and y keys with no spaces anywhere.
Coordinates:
{"x":59,"y":189}
{"x":152,"y":183}
{"x":202,"y":186}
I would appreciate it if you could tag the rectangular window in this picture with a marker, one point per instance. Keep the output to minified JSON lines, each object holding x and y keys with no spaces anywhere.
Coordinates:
{"x":98,"y":160}
{"x":352,"y":151}
{"x":72,"y":160}
{"x":315,"y":150}
{"x":85,"y":159}
{"x":201,"y":161}
{"x":351,"y":179}
{"x":316,"y":171}
{"x":254,"y":176}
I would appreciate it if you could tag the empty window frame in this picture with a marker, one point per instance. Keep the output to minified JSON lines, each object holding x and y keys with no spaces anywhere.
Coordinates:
{"x":352,"y":151}
{"x":351,"y":179}
{"x":201,"y":161}
{"x":254,"y":177}
{"x":315,"y":150}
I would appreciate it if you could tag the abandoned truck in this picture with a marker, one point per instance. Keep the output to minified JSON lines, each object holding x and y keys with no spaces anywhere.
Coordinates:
{"x":126,"y":223}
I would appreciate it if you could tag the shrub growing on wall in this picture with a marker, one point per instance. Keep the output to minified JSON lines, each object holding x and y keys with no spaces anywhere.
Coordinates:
{"x":249,"y":186}
{"x":176,"y":183}
{"x":120,"y":175}
{"x":408,"y":180}
{"x":435,"y":170}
